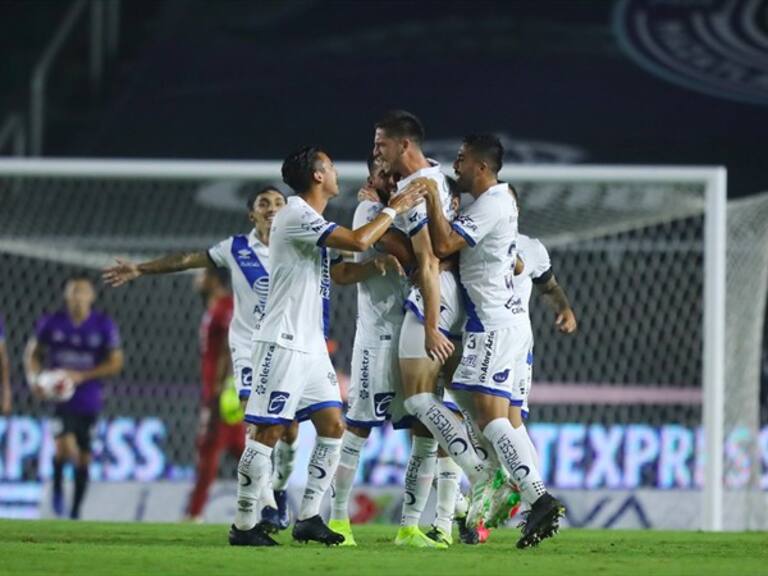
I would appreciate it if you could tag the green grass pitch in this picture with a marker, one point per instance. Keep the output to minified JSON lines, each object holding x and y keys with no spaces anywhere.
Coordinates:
{"x":54,"y":548}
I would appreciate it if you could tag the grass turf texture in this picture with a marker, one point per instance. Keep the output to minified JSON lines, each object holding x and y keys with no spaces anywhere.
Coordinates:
{"x":91,"y":548}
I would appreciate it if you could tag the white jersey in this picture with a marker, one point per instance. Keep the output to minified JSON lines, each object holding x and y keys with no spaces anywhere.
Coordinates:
{"x":415,"y":219}
{"x":537,"y":267}
{"x":247,"y":260}
{"x":487,"y":263}
{"x":379,"y":298}
{"x":298,"y":304}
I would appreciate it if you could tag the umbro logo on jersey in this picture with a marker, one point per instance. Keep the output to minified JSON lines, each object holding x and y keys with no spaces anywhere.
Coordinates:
{"x":277,"y":401}
{"x":244,"y":253}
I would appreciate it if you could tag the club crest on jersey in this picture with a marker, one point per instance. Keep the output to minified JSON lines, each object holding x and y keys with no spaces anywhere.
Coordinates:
{"x":246,"y":377}
{"x":381,"y":403}
{"x":277,"y":401}
{"x":500,"y":377}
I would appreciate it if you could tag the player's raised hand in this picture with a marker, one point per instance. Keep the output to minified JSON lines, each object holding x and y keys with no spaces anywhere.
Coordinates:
{"x":385,"y":262}
{"x":566,"y":321}
{"x":438,"y":347}
{"x":124,"y":271}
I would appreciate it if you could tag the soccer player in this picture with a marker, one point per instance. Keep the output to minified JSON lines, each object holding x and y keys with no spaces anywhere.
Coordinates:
{"x":375,"y":370}
{"x":433,"y":309}
{"x":497,"y":335}
{"x":86,"y":344}
{"x":214,"y":434}
{"x":247,"y":259}
{"x":293,"y":375}
{"x":5,"y":375}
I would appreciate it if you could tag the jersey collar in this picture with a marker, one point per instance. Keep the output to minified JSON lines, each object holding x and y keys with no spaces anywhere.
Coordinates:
{"x":430,"y":171}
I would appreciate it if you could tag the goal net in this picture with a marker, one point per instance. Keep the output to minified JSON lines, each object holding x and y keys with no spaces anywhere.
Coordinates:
{"x":665,"y":364}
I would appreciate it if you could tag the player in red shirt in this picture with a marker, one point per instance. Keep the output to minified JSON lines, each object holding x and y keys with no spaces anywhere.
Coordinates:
{"x":214,"y":435}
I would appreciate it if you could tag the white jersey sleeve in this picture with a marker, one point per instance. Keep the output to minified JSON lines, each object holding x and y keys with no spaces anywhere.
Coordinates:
{"x":219,"y":253}
{"x":537,"y":264}
{"x":474,"y":223}
{"x":307,"y":226}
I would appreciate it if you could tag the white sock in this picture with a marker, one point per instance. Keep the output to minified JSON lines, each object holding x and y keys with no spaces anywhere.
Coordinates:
{"x":253,"y":472}
{"x":485,"y":450}
{"x":322,"y":467}
{"x":513,"y":452}
{"x":418,"y":479}
{"x":351,"y":445}
{"x":462,"y":506}
{"x":449,"y":431}
{"x":282,"y":464}
{"x":448,"y":476}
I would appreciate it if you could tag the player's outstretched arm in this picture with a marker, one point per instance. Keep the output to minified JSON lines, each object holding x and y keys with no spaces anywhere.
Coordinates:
{"x":554,"y":296}
{"x":5,"y":380}
{"x":354,"y":272}
{"x":125,"y":271}
{"x":360,"y":239}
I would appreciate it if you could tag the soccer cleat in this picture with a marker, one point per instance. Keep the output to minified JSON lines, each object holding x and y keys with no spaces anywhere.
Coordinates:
{"x":343,"y":527}
{"x":467,"y":535}
{"x":483,"y":533}
{"x":542,"y":521}
{"x":256,"y":536}
{"x":315,"y":529}
{"x":413,"y":537}
{"x":440,"y":536}
{"x":480,"y":496}
{"x":504,"y":504}
{"x":58,"y":504}
{"x":276,"y":519}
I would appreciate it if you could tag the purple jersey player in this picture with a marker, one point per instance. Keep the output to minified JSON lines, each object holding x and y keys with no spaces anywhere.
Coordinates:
{"x":86,"y":344}
{"x":5,"y":374}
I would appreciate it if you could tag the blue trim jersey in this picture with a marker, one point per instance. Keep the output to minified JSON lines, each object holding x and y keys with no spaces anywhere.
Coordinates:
{"x":537,"y":267}
{"x":298,"y":300}
{"x":413,"y":220}
{"x":487,"y":263}
{"x":247,"y":260}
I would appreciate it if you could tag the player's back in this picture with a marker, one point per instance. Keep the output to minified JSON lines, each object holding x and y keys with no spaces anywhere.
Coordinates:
{"x":299,"y":287}
{"x":536,"y":265}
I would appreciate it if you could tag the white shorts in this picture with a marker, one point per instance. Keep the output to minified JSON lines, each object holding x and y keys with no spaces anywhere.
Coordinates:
{"x":373,"y":385}
{"x":288,"y":385}
{"x":452,"y":317}
{"x":496,"y":363}
{"x":242,"y":369}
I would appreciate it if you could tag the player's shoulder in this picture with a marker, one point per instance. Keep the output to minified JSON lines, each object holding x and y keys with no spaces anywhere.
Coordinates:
{"x":103,"y":318}
{"x":367,"y":210}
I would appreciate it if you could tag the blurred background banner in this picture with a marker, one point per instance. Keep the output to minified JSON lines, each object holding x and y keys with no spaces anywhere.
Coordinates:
{"x":616,"y":410}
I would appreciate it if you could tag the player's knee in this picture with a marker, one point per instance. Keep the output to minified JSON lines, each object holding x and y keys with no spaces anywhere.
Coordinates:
{"x":418,"y":403}
{"x":359,"y":431}
{"x":334,"y":428}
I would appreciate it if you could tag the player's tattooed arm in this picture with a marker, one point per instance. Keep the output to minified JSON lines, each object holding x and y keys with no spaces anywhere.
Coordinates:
{"x":125,"y":271}
{"x":354,"y":272}
{"x":5,"y":380}
{"x":554,"y":296}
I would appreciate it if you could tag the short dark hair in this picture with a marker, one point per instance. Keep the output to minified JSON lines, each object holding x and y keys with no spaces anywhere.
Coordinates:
{"x":253,"y":196}
{"x":486,"y":147}
{"x":299,"y":167}
{"x":402,"y":124}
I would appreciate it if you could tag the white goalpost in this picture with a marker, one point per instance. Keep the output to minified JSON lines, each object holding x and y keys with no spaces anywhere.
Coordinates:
{"x":599,"y":206}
